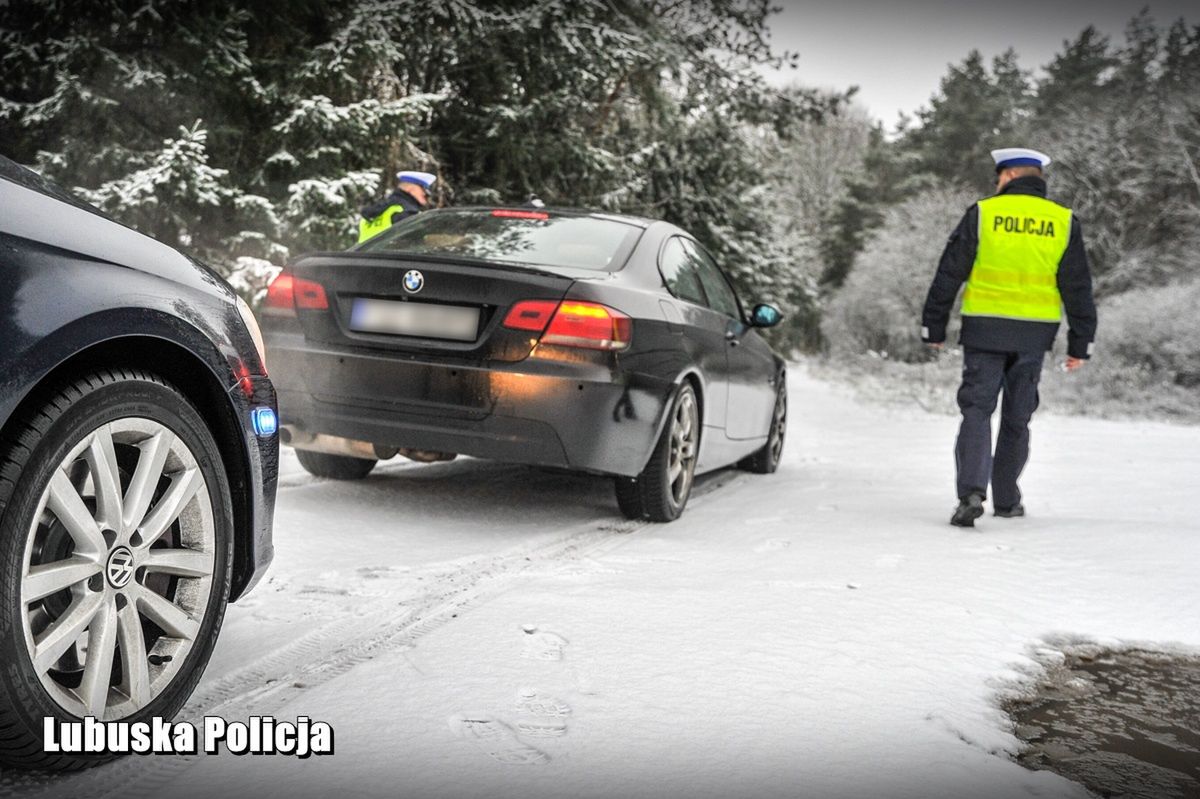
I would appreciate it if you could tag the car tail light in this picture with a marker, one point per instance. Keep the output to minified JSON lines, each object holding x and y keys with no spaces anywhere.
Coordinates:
{"x":531,"y":315}
{"x":281,"y":298}
{"x":288,"y":292}
{"x":590,"y":325}
{"x":310,"y":295}
{"x":571,"y":323}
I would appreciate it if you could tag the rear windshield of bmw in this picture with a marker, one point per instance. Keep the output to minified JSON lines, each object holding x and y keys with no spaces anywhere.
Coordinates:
{"x":521,"y":237}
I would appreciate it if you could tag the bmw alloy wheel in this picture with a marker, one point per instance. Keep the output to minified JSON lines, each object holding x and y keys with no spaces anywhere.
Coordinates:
{"x":660,"y":491}
{"x":685,"y":436}
{"x":118,"y":569}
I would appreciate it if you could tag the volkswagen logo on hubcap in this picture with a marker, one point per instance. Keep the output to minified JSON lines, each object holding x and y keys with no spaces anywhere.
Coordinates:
{"x":120,"y":567}
{"x":414,"y":281}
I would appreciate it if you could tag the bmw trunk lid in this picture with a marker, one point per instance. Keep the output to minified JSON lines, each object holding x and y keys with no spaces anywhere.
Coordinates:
{"x":422,"y":305}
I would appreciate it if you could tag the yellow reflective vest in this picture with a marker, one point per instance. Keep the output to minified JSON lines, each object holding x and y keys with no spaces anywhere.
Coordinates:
{"x":1022,"y":239}
{"x":368,"y":228}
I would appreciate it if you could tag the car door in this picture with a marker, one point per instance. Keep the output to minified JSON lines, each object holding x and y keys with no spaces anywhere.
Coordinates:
{"x":703,"y":330}
{"x":751,"y":364}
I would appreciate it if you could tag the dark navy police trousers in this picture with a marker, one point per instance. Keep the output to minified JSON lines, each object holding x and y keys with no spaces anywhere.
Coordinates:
{"x":985,"y":375}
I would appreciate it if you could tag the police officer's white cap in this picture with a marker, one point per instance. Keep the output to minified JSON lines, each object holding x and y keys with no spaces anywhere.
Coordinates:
{"x":1019,"y":156}
{"x":424,"y":179}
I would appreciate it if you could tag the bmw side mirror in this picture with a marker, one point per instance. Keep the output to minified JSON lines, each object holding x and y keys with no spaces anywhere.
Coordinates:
{"x":765,"y":315}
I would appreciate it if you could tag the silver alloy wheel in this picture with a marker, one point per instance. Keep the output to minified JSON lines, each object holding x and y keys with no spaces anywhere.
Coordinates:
{"x":685,"y":435}
{"x":778,"y":426}
{"x":118,"y":569}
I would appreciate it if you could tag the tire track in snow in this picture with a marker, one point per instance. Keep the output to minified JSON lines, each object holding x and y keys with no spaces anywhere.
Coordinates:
{"x":356,"y":636}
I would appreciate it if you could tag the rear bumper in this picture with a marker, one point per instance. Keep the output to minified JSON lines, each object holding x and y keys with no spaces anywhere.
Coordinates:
{"x":569,"y":411}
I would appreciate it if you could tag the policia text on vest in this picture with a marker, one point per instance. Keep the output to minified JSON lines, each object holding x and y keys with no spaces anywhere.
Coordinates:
{"x":1031,"y":225}
{"x":1022,"y":259}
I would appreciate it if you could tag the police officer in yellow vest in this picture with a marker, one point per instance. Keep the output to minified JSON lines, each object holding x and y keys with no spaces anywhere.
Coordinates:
{"x":1023,"y":262}
{"x":410,"y":197}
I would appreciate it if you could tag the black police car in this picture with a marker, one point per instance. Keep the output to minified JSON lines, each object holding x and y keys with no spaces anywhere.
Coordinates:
{"x":595,"y":342}
{"x":138,"y":466}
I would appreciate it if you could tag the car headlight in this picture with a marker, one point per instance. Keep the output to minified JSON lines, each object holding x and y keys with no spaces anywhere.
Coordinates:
{"x":255,"y":331}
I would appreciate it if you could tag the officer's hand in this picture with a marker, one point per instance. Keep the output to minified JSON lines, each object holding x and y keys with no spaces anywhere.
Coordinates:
{"x":1074,"y":364}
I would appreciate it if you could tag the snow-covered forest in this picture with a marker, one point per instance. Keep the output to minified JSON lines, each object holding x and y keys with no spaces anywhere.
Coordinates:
{"x":246,"y":135}
{"x":249,"y":134}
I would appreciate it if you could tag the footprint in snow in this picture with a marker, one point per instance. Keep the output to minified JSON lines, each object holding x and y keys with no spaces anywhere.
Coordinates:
{"x":542,"y":729}
{"x":374,"y":572}
{"x":496,"y":739}
{"x":531,"y":702}
{"x":542,"y":644}
{"x":323,"y":590}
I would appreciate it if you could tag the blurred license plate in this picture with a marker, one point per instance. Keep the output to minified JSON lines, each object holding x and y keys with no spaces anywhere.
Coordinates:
{"x":415,"y":319}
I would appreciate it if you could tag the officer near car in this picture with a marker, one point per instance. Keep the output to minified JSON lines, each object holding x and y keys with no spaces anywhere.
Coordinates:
{"x":1022,"y":259}
{"x":410,"y":197}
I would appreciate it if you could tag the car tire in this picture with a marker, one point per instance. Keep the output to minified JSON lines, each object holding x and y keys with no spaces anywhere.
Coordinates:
{"x":334,"y":467}
{"x":660,"y":493}
{"x":155,"y":474}
{"x":767,"y":459}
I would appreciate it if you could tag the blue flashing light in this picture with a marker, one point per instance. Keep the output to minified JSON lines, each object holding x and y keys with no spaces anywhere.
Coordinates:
{"x":264,"y":421}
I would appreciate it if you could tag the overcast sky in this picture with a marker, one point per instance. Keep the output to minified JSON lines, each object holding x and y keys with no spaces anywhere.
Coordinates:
{"x":897,"y":52}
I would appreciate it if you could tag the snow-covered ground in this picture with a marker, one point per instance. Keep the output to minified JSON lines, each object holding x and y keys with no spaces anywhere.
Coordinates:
{"x":476,"y":629}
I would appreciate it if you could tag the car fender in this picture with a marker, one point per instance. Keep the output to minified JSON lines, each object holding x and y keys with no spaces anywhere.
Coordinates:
{"x":693,"y":375}
{"x":53,"y":350}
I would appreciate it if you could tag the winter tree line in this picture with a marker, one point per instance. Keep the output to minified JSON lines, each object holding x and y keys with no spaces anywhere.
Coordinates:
{"x":1122,"y":122}
{"x":246,"y":133}
{"x":249,"y":132}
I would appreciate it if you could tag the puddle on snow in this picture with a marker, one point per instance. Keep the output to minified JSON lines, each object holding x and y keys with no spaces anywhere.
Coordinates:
{"x":1124,"y":724}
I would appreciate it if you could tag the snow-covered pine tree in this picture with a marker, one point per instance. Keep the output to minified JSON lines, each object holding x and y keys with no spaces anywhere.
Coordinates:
{"x":115,"y":100}
{"x":200,"y":123}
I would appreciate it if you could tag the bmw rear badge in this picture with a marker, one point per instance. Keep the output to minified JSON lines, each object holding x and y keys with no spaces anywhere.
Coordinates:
{"x":414,"y":281}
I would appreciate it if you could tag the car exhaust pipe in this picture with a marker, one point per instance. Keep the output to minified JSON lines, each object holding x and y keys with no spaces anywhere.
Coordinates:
{"x":335,"y":445}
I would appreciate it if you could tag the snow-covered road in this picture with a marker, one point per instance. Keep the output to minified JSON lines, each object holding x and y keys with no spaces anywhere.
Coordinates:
{"x":476,"y":629}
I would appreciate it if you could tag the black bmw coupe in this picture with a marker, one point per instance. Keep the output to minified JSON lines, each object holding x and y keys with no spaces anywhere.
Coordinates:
{"x":138,"y":465}
{"x":594,"y":342}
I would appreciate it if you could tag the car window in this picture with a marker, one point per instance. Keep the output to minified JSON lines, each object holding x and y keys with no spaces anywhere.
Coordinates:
{"x":678,"y":270}
{"x":720,"y":294}
{"x":513,"y":236}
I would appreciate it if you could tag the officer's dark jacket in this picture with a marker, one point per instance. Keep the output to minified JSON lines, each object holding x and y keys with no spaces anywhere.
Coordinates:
{"x":397,"y":197}
{"x":1012,"y":335}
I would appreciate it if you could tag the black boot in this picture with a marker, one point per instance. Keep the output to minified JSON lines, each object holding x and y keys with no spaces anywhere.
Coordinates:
{"x":969,"y":509}
{"x":1010,"y":513}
